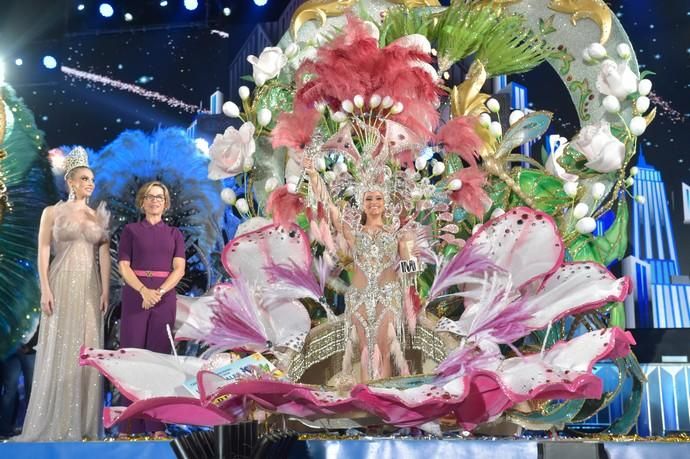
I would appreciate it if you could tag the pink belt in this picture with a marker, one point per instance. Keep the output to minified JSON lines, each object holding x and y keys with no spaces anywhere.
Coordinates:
{"x":142,"y":273}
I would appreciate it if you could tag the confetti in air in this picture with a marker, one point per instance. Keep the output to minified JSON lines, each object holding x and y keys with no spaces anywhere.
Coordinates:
{"x":671,"y":113}
{"x":132,"y":88}
{"x":220,"y":33}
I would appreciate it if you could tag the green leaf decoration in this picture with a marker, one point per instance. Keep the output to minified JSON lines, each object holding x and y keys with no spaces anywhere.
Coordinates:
{"x":546,"y":190}
{"x":463,"y":29}
{"x":511,"y":47}
{"x":614,"y":243}
{"x":617,"y":315}
{"x":609,"y":247}
{"x":402,"y":21}
{"x":574,"y":163}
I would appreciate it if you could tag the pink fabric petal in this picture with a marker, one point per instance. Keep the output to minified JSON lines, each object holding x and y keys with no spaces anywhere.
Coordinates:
{"x":523,"y":242}
{"x":249,"y":254}
{"x":574,"y":288}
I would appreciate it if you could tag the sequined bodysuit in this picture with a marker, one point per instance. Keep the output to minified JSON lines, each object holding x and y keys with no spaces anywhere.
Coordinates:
{"x":380,"y":300}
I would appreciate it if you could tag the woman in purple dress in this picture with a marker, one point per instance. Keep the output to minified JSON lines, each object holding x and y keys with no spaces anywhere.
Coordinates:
{"x":152,"y":261}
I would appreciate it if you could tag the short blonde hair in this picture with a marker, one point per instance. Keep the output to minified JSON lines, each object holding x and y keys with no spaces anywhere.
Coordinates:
{"x":144,"y":190}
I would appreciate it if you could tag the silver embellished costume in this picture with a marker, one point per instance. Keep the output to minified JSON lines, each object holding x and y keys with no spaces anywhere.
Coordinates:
{"x":378,"y":305}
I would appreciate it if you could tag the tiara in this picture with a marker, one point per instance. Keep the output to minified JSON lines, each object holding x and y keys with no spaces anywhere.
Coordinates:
{"x":76,"y":158}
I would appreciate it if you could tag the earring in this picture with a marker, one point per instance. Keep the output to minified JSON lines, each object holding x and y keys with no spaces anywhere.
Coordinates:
{"x":72,"y":196}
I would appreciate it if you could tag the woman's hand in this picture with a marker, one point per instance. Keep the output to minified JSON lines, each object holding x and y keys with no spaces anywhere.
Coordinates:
{"x":150,"y":298}
{"x":47,"y":301}
{"x":104,"y":301}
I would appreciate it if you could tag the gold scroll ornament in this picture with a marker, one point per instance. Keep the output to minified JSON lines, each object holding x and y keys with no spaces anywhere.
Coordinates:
{"x":595,"y":10}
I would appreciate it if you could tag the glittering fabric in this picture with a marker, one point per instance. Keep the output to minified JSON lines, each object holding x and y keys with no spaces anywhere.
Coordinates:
{"x":66,"y":399}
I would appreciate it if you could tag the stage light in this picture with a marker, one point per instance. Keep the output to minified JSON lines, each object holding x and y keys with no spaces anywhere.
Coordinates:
{"x":18,"y":61}
{"x":191,"y":5}
{"x":260,"y":2}
{"x":50,"y":62}
{"x":106,"y":10}
{"x":164,"y":3}
{"x":227,"y":11}
{"x":80,"y":7}
{"x":128,"y":17}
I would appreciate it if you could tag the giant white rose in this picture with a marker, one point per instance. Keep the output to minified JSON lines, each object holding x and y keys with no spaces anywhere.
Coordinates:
{"x":231,"y":151}
{"x":554,"y":168}
{"x":616,"y":79}
{"x":268,"y":65}
{"x":603,"y":151}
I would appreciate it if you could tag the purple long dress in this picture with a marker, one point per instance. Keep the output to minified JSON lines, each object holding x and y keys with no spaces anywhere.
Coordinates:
{"x":148,"y":248}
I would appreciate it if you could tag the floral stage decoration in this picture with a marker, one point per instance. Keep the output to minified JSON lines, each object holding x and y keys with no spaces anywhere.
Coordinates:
{"x":508,"y":303}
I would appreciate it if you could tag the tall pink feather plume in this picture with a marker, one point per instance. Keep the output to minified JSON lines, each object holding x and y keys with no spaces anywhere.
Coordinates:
{"x":284,"y":206}
{"x":354,"y":64}
{"x":459,"y":136}
{"x":462,"y":268}
{"x":293,"y":130}
{"x":471,"y":196}
{"x":412,"y":305}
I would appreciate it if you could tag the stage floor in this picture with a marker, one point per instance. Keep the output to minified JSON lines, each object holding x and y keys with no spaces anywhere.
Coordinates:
{"x":366,"y":448}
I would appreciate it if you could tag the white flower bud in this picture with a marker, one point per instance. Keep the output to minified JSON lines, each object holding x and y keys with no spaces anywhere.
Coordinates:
{"x":375,"y":101}
{"x":493,"y":105}
{"x":291,"y":50}
{"x":320,"y":164}
{"x":586,"y":57}
{"x":580,"y":210}
{"x":586,"y":225}
{"x":640,"y":199}
{"x":420,"y":163}
{"x":455,"y":184}
{"x":228,"y":196}
{"x":263,"y":117}
{"x":416,"y":194}
{"x":638,"y":125}
{"x":329,"y":176}
{"x":644,"y":87}
{"x":570,"y":188}
{"x":476,"y":228}
{"x":387,"y":102}
{"x":497,"y":212}
{"x":242,"y":206}
{"x":515,"y":116}
{"x":598,"y":190}
{"x":244,"y":92}
{"x":248,"y":164}
{"x":642,"y":104}
{"x":630,"y":181}
{"x":438,"y":168}
{"x":347,"y":106}
{"x":611,"y":104}
{"x":292,"y":188}
{"x":339,"y":117}
{"x":495,"y":129}
{"x":231,"y":109}
{"x":485,"y":120}
{"x":340,"y":168}
{"x":271,"y":184}
{"x":320,"y":107}
{"x":597,"y":51}
{"x":358,"y":101}
{"x":397,"y":108}
{"x":634,"y":171}
{"x":446,"y":75}
{"x":623,"y":50}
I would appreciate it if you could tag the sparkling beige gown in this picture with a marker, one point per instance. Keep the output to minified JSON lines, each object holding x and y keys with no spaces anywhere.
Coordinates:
{"x":66,"y":400}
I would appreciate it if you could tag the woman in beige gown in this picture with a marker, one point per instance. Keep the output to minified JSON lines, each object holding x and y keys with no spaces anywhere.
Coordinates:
{"x":66,"y":400}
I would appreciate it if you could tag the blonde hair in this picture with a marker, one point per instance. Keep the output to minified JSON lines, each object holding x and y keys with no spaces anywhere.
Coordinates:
{"x":144,"y":190}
